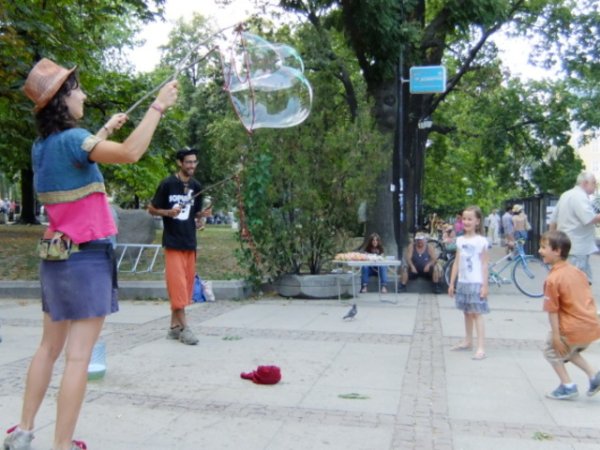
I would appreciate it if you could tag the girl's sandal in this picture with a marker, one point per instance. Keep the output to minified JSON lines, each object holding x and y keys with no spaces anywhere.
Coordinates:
{"x":479,"y":356}
{"x":461,"y":347}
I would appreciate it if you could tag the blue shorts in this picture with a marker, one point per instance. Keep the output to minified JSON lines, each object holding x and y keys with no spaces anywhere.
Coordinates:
{"x":81,"y":287}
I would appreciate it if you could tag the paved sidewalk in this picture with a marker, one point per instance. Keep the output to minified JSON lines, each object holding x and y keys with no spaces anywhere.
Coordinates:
{"x":385,"y":380}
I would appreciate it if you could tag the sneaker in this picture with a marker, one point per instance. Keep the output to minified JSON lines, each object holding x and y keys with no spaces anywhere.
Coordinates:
{"x":187,"y":337}
{"x":437,"y":288}
{"x":594,"y":385}
{"x":563,"y":393}
{"x":18,"y":439}
{"x":401,"y":287}
{"x":174,"y":333}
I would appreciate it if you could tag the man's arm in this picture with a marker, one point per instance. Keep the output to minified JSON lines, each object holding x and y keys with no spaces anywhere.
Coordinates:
{"x":432,"y":254}
{"x":554,"y":218}
{"x":432,"y":258}
{"x":173,"y":212}
{"x":204,"y":213}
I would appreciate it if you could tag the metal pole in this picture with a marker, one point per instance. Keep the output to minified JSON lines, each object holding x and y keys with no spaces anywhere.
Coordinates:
{"x":398,"y":163}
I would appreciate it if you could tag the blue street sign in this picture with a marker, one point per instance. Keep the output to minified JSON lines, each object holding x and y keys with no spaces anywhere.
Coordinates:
{"x":427,"y":79}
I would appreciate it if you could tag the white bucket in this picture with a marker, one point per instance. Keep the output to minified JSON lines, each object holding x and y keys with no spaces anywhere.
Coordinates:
{"x":97,"y":366}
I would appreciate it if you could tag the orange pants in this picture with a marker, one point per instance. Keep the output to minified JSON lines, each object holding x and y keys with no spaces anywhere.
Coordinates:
{"x":180,"y":268}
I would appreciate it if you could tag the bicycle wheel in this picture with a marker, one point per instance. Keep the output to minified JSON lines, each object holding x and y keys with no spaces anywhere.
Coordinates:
{"x":529,"y":274}
{"x":448,"y":269}
{"x":438,"y":247}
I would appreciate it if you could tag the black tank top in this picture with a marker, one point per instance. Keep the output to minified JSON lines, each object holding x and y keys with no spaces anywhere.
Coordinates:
{"x":420,"y":260}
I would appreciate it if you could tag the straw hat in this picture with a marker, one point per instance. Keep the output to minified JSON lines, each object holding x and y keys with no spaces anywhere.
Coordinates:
{"x":517,"y":208}
{"x":44,"y":81}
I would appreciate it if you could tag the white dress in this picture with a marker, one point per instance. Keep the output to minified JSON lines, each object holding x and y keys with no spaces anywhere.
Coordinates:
{"x":470,"y":275}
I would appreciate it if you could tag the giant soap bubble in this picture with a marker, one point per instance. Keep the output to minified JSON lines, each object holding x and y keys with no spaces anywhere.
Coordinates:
{"x":266,"y":83}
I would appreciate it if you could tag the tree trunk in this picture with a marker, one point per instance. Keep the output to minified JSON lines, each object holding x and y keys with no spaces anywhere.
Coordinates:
{"x":380,"y":218}
{"x":381,"y":214}
{"x":28,"y":209}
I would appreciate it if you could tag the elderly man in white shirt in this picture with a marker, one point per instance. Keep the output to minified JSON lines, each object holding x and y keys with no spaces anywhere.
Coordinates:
{"x":575,"y":215}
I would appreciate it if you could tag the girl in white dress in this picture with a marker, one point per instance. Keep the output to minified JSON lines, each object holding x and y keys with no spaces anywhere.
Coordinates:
{"x":471,"y":270}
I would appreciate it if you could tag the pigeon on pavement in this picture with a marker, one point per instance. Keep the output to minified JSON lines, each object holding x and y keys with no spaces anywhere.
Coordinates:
{"x":352,"y":313}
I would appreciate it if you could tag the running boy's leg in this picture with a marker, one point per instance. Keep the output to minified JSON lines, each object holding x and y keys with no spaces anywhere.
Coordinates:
{"x":590,"y":371}
{"x":582,"y":363}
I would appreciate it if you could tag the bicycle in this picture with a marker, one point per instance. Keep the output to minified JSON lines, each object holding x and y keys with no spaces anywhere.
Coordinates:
{"x":528,"y":272}
{"x":443,"y":251}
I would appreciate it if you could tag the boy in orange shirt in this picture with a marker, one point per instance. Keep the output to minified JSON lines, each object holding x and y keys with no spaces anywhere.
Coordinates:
{"x":572,"y":313}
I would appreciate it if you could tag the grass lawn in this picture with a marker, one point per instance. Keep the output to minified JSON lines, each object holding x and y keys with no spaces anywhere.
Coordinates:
{"x":216,"y":254}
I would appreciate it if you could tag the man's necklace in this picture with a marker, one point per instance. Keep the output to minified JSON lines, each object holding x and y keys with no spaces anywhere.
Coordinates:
{"x":185,"y":184}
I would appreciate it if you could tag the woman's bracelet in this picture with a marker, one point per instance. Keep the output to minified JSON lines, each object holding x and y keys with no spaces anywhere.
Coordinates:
{"x":158,"y":108}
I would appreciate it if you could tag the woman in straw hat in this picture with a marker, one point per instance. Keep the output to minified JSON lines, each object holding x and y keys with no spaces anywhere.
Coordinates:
{"x":79,"y":290}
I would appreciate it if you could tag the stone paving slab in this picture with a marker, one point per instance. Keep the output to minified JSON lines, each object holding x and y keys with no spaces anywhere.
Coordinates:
{"x":412,"y":391}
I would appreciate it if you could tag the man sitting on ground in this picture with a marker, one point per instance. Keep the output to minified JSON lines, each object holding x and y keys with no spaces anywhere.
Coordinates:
{"x":422,"y":261}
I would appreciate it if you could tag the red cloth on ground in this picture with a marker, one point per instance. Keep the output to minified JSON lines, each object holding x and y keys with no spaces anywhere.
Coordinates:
{"x":263,"y":375}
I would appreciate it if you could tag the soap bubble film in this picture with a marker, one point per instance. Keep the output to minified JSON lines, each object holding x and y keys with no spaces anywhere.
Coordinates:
{"x":266,"y":83}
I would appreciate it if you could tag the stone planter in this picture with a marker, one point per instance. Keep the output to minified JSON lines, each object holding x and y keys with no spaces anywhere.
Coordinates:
{"x":315,"y":286}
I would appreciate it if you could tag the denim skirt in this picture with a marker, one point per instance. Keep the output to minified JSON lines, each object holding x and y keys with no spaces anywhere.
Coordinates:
{"x":83,"y":286}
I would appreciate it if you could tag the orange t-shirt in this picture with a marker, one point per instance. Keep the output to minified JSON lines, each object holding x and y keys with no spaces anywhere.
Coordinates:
{"x":568,"y":293}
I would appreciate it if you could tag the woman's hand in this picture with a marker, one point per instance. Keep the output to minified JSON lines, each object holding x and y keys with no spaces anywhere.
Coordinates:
{"x":167,"y":96}
{"x":116,"y":122}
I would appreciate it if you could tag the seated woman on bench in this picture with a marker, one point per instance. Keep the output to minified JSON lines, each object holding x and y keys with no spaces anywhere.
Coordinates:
{"x":374,"y":246}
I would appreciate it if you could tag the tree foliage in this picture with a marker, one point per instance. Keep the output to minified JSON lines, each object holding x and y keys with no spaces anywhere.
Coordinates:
{"x":90,"y":34}
{"x":499,"y":136}
{"x":300,"y":188}
{"x":499,"y":132}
